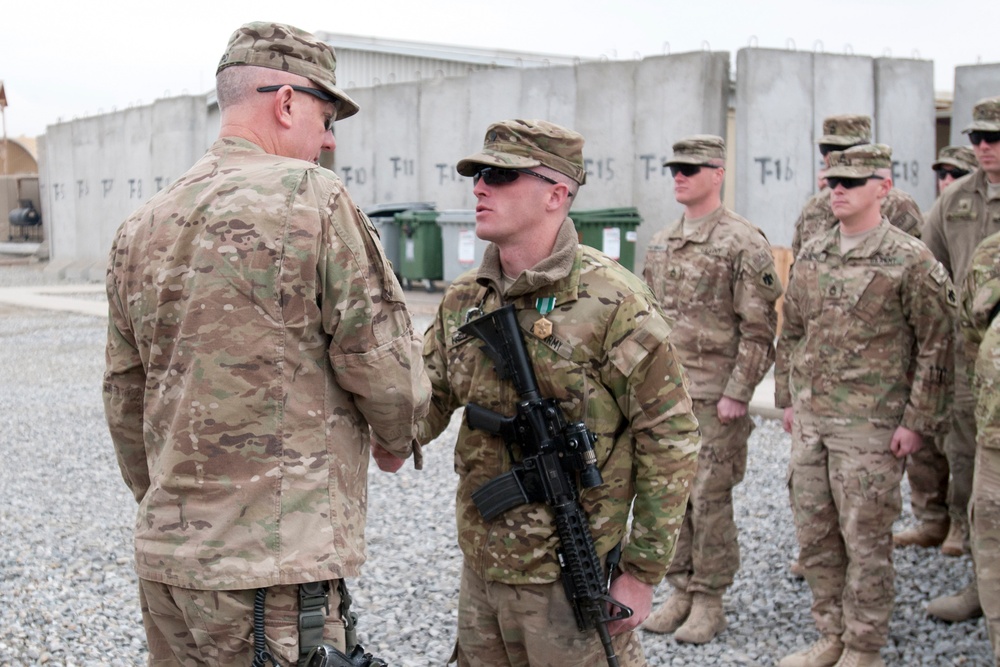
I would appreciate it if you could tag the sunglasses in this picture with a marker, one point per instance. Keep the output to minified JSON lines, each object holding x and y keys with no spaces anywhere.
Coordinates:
{"x":977,"y":137}
{"x":943,"y":173}
{"x":849,"y":183}
{"x":502,"y":176}
{"x":689,"y":170}
{"x":315,"y":92}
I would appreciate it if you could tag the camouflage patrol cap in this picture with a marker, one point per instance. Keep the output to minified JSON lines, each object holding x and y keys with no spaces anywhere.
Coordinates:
{"x":960,"y":157}
{"x":859,"y":161}
{"x":521,"y":144}
{"x":699,"y":149}
{"x":985,"y":116}
{"x":846,"y":130}
{"x":288,"y":49}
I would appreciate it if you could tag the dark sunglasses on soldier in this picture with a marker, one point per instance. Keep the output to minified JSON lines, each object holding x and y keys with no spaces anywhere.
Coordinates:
{"x":688,"y":170}
{"x":944,"y":172}
{"x":976,"y":137}
{"x":502,"y":176}
{"x":848,"y":182}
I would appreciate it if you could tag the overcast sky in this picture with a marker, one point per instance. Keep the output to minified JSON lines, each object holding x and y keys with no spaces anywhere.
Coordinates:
{"x":65,"y":59}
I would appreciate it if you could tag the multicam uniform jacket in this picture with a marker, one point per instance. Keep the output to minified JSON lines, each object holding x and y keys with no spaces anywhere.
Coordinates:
{"x":719,"y":285}
{"x":868,"y":334}
{"x":981,"y":328}
{"x":256,"y":333}
{"x":609,"y":363}
{"x":817,"y":217}
{"x":960,"y":219}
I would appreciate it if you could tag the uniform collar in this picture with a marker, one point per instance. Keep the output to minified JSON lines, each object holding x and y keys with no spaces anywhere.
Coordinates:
{"x":867,"y":248}
{"x":704,"y":230}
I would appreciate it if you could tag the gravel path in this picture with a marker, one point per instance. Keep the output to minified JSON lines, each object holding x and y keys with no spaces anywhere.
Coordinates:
{"x":69,"y":598}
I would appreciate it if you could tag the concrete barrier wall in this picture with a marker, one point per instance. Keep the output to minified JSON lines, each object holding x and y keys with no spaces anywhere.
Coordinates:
{"x":404,"y":144}
{"x":96,"y":171}
{"x":972,"y":83}
{"x":782,"y":98}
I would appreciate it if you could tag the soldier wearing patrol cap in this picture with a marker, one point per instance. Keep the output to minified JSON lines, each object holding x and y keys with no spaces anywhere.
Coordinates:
{"x":863,"y":372}
{"x":714,"y":276}
{"x":257,"y":342}
{"x":953,"y":162}
{"x":965,"y":214}
{"x":600,"y":346}
{"x":840,"y":133}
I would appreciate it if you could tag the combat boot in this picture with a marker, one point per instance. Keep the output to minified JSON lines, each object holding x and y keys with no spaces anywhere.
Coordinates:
{"x":824,"y":653}
{"x":706,"y":620}
{"x":956,"y":544}
{"x":671,"y":613}
{"x":924,"y":534}
{"x":796,"y":569}
{"x":853,"y":658}
{"x":962,"y":606}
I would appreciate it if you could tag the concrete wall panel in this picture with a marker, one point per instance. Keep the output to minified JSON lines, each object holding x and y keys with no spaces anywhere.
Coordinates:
{"x":397,"y":143}
{"x":494,"y":95}
{"x":972,"y":83}
{"x":444,"y":140}
{"x":774,"y":159}
{"x":354,"y":158}
{"x":675,"y":96}
{"x":550,"y":94}
{"x":904,"y":119}
{"x":842,"y":85}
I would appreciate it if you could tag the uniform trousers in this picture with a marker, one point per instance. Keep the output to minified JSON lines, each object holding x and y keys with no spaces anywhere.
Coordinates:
{"x":960,"y":446}
{"x":984,"y":515}
{"x":708,"y":551}
{"x":196,"y":628}
{"x":529,"y":625}
{"x":845,"y":496}
{"x":928,"y":473}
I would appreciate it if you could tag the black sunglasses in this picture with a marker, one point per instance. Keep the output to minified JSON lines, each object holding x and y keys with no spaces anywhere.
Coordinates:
{"x":977,"y":137}
{"x":849,"y":182}
{"x":315,"y":92}
{"x":689,"y":170}
{"x":944,"y":172}
{"x":502,"y":176}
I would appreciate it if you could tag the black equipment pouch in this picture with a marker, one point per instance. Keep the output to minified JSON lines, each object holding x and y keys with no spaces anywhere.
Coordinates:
{"x":314,"y":606}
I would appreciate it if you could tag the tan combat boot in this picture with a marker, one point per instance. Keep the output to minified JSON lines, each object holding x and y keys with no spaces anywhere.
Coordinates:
{"x":962,"y":606}
{"x":671,"y":613}
{"x":706,"y":620}
{"x":924,"y":534}
{"x":796,"y":569}
{"x":853,"y":658}
{"x":824,"y":653}
{"x":956,"y":544}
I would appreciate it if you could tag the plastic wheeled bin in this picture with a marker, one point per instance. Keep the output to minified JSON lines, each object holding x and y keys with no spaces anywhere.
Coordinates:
{"x":383,"y":216}
{"x":419,"y":248}
{"x":461,"y":248}
{"x":610,"y":230}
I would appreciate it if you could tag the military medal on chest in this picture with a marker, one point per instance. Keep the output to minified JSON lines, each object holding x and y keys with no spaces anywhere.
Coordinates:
{"x":543,"y":327}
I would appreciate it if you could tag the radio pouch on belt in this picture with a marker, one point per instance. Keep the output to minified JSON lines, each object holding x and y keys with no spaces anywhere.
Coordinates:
{"x":314,"y":606}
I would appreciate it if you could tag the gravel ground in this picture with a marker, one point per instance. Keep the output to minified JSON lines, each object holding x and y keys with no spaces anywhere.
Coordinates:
{"x":69,"y":595}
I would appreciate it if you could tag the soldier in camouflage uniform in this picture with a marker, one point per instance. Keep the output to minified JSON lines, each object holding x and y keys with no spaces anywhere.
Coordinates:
{"x":714,"y":276}
{"x":257,"y":342}
{"x":863,"y":370}
{"x":981,"y":329}
{"x":600,"y":346}
{"x":953,"y":162}
{"x":965,"y":214}
{"x":816,"y":218}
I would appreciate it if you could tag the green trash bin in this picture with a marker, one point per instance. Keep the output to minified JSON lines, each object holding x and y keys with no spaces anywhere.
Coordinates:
{"x":383,"y":216}
{"x":610,"y":230}
{"x":420,"y":248}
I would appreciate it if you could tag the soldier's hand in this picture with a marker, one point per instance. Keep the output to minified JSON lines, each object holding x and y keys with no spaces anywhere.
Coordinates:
{"x":384,"y":459}
{"x":633,"y":594}
{"x":905,"y":442}
{"x":786,"y":419}
{"x":729,"y":409}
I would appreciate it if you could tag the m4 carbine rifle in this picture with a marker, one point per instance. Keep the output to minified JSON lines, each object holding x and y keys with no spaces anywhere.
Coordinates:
{"x":553,"y":453}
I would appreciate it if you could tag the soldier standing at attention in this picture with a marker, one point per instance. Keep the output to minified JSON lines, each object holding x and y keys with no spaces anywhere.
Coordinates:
{"x":714,"y":276}
{"x":257,"y":342}
{"x":901,"y":210}
{"x":863,"y":370}
{"x":981,"y":329}
{"x":965,"y":214}
{"x":600,"y":346}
